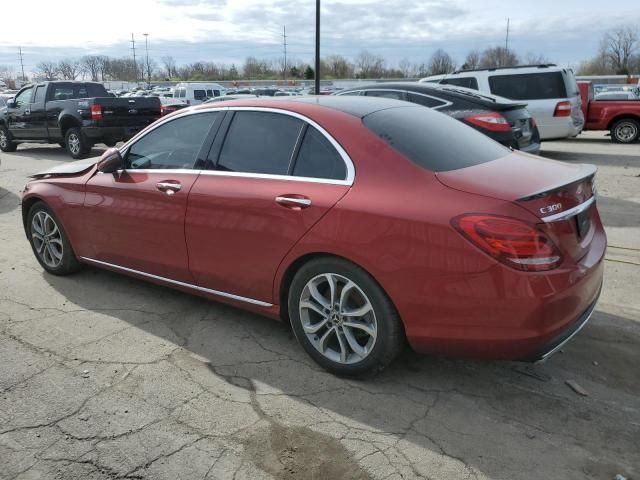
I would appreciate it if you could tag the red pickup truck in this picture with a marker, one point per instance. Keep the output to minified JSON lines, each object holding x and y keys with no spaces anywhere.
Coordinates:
{"x":620,"y":117}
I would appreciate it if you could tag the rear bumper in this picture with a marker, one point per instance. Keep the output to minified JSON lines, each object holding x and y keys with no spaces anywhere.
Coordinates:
{"x":558,"y":128}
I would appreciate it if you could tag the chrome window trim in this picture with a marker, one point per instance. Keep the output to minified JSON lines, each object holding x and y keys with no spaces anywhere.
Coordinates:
{"x":191,"y":111}
{"x":571,"y":212}
{"x":177,"y":282}
{"x":447,"y":103}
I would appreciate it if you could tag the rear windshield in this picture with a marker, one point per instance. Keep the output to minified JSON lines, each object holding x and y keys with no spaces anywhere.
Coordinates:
{"x":67,"y":91}
{"x":529,"y":86}
{"x":433,"y":140}
{"x":467,"y":82}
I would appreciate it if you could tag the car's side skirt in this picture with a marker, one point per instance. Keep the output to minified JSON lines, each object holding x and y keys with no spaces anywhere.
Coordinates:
{"x":209,"y":291}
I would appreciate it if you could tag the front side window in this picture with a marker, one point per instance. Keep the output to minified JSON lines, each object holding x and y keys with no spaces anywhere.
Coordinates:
{"x":386,"y":94}
{"x":40,"y":94}
{"x":259,"y":142}
{"x":529,"y":86}
{"x":317,"y":158}
{"x":209,"y":93}
{"x":24,"y":97}
{"x":173,"y":145}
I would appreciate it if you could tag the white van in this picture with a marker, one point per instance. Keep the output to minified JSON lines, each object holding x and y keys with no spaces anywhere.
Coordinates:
{"x":193,"y":93}
{"x":551,"y":93}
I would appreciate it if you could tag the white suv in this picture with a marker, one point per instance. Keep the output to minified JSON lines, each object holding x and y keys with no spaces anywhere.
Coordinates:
{"x":551,"y":93}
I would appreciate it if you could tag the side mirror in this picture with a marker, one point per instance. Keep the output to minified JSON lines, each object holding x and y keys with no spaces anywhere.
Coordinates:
{"x":110,"y":161}
{"x":12,"y":104}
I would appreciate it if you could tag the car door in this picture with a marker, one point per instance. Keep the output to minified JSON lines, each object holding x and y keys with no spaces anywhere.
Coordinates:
{"x":135,"y":217}
{"x":274,"y":176}
{"x":38,"y":114}
{"x":20,"y":116}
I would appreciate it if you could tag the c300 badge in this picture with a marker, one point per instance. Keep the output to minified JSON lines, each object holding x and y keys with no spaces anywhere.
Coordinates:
{"x":551,"y":208}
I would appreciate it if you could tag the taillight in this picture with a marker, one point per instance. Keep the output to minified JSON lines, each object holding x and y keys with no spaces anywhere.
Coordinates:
{"x":163,"y":110}
{"x":509,"y":240}
{"x":96,"y":112}
{"x":492,"y":121}
{"x":563,"y":109}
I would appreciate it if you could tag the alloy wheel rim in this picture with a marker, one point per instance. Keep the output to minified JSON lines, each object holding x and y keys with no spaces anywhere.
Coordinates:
{"x":74,"y":143}
{"x":47,"y":239}
{"x":626,"y":131}
{"x":338,"y":318}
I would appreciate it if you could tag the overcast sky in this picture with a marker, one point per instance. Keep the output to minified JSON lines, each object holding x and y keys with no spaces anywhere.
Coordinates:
{"x":565,"y":31}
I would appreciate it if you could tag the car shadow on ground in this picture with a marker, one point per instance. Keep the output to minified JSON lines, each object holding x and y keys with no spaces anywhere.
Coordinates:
{"x":616,"y":212}
{"x":501,"y":418}
{"x":53,"y":152}
{"x":599,"y":159}
{"x":8,"y":201}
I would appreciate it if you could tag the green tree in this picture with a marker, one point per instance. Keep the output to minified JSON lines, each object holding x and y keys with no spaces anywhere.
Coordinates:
{"x":309,"y":74}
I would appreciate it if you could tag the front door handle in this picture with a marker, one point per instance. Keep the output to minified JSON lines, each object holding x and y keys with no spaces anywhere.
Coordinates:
{"x":170,"y":188}
{"x":296,"y":202}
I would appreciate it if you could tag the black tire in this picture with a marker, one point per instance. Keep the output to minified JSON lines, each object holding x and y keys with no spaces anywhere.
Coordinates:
{"x":110,"y":142}
{"x":389,"y":340}
{"x":625,"y":130}
{"x":6,"y":145}
{"x":68,"y":263}
{"x":76,"y":144}
{"x":62,"y":144}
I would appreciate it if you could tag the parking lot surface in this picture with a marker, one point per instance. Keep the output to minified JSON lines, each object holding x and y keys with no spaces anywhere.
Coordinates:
{"x":104,"y":376}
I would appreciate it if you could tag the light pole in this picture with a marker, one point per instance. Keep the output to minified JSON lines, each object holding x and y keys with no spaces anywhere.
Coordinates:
{"x":317,"y":82}
{"x":146,"y":46}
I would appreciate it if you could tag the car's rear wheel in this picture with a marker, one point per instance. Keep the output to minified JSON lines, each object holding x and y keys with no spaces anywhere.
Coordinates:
{"x":343,"y":318}
{"x":625,"y":130}
{"x":49,"y":241}
{"x":6,"y":145}
{"x":76,"y":144}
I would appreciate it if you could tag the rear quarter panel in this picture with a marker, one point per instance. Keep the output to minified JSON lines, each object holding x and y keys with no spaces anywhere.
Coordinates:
{"x":603,"y":113}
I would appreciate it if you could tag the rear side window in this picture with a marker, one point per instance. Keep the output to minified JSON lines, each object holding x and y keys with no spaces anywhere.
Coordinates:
{"x":386,"y":94}
{"x":40,"y":94}
{"x":199,"y":94}
{"x":432,"y":140}
{"x":467,"y":82}
{"x":318,"y":158}
{"x":425,"y":101}
{"x":529,"y":86}
{"x":259,"y":142}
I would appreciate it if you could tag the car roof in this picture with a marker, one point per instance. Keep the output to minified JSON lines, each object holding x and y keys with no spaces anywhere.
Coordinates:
{"x":461,"y":93}
{"x":352,"y":105}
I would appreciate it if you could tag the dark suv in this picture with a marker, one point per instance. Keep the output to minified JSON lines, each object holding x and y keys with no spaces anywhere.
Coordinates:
{"x":504,"y":120}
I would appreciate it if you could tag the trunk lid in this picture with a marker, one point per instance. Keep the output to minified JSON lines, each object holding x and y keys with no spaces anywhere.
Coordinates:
{"x":561,"y":196}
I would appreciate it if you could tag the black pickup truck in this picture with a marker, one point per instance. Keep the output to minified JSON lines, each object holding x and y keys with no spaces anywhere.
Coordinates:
{"x":75,"y":115}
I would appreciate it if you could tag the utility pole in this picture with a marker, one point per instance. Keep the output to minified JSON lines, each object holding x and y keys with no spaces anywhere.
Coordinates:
{"x":146,"y":46}
{"x":135,"y":65}
{"x":506,"y":42}
{"x":317,"y":75}
{"x":284,"y":43}
{"x":21,"y":64}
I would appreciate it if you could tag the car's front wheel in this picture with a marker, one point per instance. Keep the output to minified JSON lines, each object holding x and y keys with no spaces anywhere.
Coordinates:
{"x":49,"y":241}
{"x":625,"y":130}
{"x":6,"y":145}
{"x":343,"y":318}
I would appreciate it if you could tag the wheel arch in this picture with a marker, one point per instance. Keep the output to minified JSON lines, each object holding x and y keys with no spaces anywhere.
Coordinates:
{"x":295,"y":265}
{"x":623,"y":116}
{"x":27,"y":203}
{"x":66,"y":122}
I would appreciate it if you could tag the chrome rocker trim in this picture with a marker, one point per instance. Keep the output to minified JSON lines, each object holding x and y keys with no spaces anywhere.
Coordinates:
{"x":176,"y":282}
{"x":571,"y":212}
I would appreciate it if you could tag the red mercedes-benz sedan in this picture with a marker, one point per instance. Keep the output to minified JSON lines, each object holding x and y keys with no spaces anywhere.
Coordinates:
{"x":363,"y":221}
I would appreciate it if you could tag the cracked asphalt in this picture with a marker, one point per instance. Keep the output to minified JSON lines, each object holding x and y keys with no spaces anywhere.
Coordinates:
{"x":107,"y":377}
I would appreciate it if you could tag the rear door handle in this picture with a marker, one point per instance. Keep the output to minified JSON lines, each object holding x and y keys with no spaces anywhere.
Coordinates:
{"x":294,"y":202}
{"x":169,"y":188}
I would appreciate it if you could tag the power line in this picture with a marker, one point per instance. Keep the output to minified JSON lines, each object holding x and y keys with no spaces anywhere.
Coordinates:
{"x":284,"y":43}
{"x":135,"y":65}
{"x":21,"y":63}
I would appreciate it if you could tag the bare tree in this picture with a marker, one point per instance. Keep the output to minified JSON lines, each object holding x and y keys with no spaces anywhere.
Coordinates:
{"x":69,"y":69}
{"x":498,"y":57}
{"x":441,"y":62}
{"x":169,"y":64}
{"x":407,"y":68}
{"x":535,"y":59}
{"x":619,"y":45}
{"x":472,"y":60}
{"x":369,"y":65}
{"x":48,"y":70}
{"x":103,"y":66}
{"x":338,"y":66}
{"x":91,"y":65}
